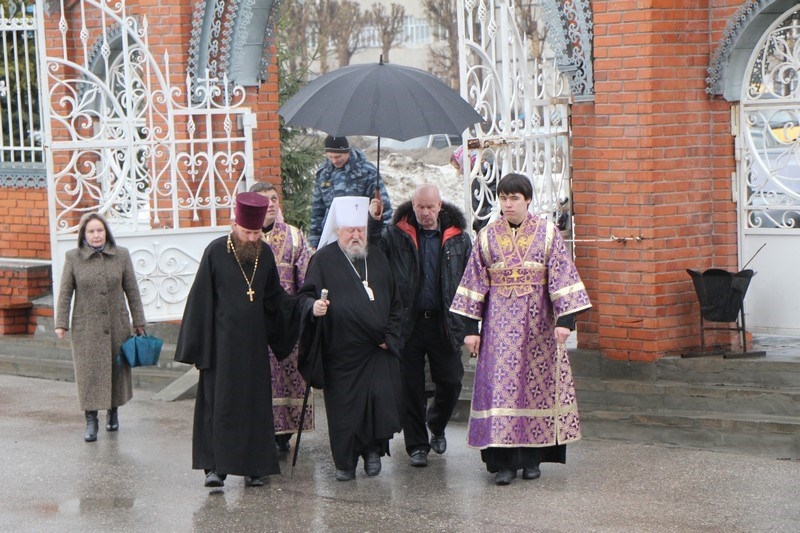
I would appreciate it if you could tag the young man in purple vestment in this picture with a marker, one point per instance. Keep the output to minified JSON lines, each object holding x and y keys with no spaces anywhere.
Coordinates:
{"x":291,"y":258}
{"x":521,"y":284}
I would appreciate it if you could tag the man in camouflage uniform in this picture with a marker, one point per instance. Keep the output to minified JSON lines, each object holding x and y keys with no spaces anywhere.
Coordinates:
{"x":346,"y":172}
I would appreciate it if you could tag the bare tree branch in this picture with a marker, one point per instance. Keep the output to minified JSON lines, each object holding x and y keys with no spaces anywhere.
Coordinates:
{"x":348,"y":22}
{"x":295,"y":38}
{"x":389,"y":26}
{"x":322,"y":14}
{"x":444,"y":55}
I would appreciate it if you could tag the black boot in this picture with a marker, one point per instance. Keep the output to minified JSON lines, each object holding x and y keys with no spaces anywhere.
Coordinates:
{"x":91,"y":426}
{"x":282,"y":442}
{"x":112,"y":421}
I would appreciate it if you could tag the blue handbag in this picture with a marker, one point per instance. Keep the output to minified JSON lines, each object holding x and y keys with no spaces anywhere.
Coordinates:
{"x":141,"y":350}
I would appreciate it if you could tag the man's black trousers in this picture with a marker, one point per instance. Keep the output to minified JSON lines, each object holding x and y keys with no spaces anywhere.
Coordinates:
{"x":447,"y":370}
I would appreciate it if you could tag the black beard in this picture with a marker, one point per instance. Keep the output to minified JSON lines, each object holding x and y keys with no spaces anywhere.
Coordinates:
{"x":247,"y":252}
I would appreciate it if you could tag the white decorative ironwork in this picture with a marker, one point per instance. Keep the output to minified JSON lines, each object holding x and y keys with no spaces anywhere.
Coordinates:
{"x":156,"y":158}
{"x":20,"y":137}
{"x":572,"y":32}
{"x":165,"y":273}
{"x":525,"y":103}
{"x":770,"y":107}
{"x":724,"y":51}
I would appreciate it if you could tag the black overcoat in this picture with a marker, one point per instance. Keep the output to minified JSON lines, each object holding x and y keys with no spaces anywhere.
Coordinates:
{"x":362,"y":381}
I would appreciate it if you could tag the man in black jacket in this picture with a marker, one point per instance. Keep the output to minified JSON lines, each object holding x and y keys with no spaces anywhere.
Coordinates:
{"x":428,"y":247}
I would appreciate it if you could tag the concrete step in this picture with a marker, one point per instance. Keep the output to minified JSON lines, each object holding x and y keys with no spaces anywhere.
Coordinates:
{"x":711,"y":370}
{"x":153,"y":378}
{"x":43,"y":355}
{"x":772,"y":436}
{"x":749,"y":406}
{"x":625,"y":395}
{"x":45,"y":329}
{"x":61,"y":350}
{"x":461,"y":412}
{"x":36,"y":346}
{"x":630,"y":395}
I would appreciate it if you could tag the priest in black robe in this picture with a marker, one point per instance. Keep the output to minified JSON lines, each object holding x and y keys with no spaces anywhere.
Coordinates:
{"x":358,"y":347}
{"x":235,"y":309}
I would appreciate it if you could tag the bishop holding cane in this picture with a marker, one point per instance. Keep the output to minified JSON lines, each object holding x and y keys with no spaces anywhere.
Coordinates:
{"x":358,"y":348}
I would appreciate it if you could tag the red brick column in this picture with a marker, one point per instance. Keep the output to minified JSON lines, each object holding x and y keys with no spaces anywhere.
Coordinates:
{"x":653,"y":157}
{"x":266,"y":138}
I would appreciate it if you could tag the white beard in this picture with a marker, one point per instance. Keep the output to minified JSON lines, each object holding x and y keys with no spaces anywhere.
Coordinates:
{"x":355,"y":251}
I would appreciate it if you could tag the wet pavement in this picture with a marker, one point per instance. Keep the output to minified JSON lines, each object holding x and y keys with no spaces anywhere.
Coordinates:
{"x":140,"y":479}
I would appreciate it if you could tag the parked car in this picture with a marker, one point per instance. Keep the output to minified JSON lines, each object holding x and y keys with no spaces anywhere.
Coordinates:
{"x":438,"y":140}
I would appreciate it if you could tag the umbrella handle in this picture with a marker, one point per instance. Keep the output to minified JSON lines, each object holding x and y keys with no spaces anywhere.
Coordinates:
{"x":380,"y":203}
{"x":378,"y":176}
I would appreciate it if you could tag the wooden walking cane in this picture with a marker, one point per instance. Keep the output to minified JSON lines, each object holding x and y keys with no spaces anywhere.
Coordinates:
{"x":314,"y":357}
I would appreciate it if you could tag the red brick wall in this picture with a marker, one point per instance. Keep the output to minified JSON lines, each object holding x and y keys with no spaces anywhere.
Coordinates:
{"x":24,"y":282}
{"x":20,"y":283}
{"x":653,"y":157}
{"x":24,"y":226}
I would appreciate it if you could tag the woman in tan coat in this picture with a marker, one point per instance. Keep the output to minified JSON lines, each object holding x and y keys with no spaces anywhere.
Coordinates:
{"x":101,"y":277}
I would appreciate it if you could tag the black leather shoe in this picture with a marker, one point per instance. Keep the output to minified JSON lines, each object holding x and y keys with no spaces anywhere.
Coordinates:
{"x":214,"y":480}
{"x":372,"y":463}
{"x":438,"y":443}
{"x":112,"y":420}
{"x":282,"y":442}
{"x":504,"y":477}
{"x":419,"y":457}
{"x":531,"y":473}
{"x":253,"y":481}
{"x":345,"y":475}
{"x":91,"y":426}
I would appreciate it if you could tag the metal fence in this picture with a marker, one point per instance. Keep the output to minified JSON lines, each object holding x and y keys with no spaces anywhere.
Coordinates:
{"x":20,"y":133}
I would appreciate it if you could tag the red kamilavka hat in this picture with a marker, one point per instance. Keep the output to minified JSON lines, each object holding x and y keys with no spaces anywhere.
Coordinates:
{"x":251,"y":208}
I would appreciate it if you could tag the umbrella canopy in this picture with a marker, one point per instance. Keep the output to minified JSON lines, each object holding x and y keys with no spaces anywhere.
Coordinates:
{"x":379,"y":99}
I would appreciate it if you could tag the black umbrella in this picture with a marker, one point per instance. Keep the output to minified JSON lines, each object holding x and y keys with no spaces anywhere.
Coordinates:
{"x":380,"y":99}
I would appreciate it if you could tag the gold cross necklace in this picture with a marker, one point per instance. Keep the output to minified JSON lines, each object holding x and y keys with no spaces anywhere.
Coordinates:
{"x":250,"y":291}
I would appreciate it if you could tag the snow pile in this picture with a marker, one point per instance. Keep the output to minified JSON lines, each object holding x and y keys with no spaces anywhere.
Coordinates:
{"x":402,"y":174}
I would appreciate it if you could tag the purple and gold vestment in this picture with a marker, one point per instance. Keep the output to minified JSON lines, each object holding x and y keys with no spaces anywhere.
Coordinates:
{"x":518,"y":284}
{"x":288,"y":387}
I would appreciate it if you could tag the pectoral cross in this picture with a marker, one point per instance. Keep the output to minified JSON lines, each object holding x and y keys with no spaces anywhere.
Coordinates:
{"x":250,"y":293}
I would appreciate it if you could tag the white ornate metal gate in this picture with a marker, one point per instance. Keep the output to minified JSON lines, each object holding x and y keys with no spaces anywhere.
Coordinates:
{"x":768,"y":159}
{"x":525,"y":100}
{"x":161,"y":161}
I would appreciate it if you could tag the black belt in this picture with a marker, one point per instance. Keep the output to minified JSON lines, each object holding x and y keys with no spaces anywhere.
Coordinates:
{"x":428,"y":314}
